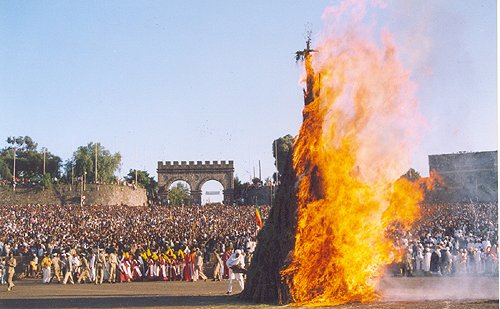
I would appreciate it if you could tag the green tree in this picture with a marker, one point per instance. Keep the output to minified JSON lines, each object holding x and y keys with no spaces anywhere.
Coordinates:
{"x":22,"y":143}
{"x":83,"y":162}
{"x":4,"y":170}
{"x":179,"y":195}
{"x":29,"y":161}
{"x":282,"y":146}
{"x":240,"y":190}
{"x":47,"y":181}
{"x":145,"y":181}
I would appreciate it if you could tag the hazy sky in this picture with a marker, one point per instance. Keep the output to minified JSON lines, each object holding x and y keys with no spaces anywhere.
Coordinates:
{"x":216,"y":80}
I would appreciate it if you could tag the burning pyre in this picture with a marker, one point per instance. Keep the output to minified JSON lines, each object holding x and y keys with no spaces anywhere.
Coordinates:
{"x":360,"y":124}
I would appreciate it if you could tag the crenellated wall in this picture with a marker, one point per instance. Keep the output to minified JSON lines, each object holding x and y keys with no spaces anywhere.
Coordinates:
{"x":192,"y":165}
{"x":196,"y":174}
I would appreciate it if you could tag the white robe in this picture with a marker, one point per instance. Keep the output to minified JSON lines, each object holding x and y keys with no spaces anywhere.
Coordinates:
{"x":426,"y":265}
{"x":233,"y":260}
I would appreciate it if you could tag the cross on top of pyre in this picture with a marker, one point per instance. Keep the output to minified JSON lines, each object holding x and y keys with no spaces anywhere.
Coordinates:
{"x":305,"y":55}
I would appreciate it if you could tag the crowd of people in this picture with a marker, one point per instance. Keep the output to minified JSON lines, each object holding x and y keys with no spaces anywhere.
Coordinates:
{"x":122,"y":244}
{"x":98,"y":244}
{"x":452,"y":239}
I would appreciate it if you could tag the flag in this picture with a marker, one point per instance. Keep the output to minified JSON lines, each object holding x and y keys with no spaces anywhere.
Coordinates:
{"x":257,"y":215}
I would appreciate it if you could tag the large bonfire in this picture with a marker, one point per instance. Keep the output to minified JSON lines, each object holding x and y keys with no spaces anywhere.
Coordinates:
{"x":360,"y":124}
{"x":353,"y":145}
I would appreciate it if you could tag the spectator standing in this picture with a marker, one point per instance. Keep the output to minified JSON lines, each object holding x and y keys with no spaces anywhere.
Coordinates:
{"x":3,"y":270}
{"x":11,"y":270}
{"x":84,"y":269}
{"x":92,"y":266}
{"x":198,"y":264}
{"x":216,"y":261}
{"x":68,"y":267}
{"x":101,"y":262}
{"x":57,"y":268}
{"x":46,"y":265}
{"x":113,"y":262}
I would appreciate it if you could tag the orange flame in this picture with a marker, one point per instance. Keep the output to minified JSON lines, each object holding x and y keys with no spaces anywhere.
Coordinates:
{"x":353,"y":145}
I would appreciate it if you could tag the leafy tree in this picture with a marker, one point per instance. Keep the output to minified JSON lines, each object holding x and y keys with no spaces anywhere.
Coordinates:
{"x":4,"y":170}
{"x":412,"y":175}
{"x":23,"y":143}
{"x":83,"y":161}
{"x":240,"y":190}
{"x":29,"y":161}
{"x":145,"y":181}
{"x":68,"y":171}
{"x":47,"y":181}
{"x":257,"y":182}
{"x":179,"y":195}
{"x":282,"y":146}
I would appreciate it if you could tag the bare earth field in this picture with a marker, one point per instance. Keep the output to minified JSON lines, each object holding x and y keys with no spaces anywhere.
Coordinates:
{"x":422,"y":292}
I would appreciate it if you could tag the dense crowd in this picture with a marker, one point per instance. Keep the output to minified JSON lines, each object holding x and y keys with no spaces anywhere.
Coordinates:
{"x":127,"y":243}
{"x":122,"y":244}
{"x":452,"y":239}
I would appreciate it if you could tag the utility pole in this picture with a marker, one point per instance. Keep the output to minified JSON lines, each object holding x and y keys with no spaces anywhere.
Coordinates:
{"x":136,"y":177}
{"x":95,"y":180}
{"x":72,"y":177}
{"x":44,"y":152}
{"x":14,"y":169}
{"x":260,"y":172}
{"x":43,"y":149}
{"x":82,"y":188}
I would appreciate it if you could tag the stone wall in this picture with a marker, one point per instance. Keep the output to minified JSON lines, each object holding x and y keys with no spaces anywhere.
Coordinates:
{"x":467,"y":176}
{"x":67,"y":194}
{"x":196,"y":174}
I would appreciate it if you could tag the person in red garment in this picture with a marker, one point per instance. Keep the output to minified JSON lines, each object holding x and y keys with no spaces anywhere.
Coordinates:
{"x":187,"y":267}
{"x":225,"y":257}
{"x":163,"y":267}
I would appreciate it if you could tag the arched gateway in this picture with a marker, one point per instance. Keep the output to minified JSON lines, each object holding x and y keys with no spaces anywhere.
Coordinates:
{"x":196,"y":174}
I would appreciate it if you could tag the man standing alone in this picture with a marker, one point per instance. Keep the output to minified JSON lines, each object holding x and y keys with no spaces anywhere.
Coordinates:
{"x":101,"y":262}
{"x":11,"y":265}
{"x":113,"y":262}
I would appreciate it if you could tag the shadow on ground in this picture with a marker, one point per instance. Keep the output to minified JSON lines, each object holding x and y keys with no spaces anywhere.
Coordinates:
{"x":120,"y":301}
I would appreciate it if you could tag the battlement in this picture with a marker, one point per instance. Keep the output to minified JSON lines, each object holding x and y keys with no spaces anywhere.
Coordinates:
{"x":195,"y":165}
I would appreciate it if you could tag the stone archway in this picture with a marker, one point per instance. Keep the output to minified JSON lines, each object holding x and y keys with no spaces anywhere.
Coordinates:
{"x":196,"y":174}
{"x":212,"y":183}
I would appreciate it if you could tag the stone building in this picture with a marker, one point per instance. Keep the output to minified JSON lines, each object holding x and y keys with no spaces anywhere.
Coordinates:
{"x":196,"y":174}
{"x":467,"y":176}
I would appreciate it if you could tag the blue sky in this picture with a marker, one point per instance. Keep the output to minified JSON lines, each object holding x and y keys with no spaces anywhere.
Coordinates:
{"x":216,"y":80}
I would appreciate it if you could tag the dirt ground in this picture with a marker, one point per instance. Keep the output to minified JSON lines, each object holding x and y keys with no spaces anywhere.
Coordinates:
{"x":471,"y":292}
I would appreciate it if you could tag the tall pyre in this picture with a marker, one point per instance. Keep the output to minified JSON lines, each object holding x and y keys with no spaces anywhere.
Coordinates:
{"x":343,"y":193}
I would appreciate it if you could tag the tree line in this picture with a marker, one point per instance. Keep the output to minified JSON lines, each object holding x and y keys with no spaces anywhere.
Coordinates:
{"x":22,"y":162}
